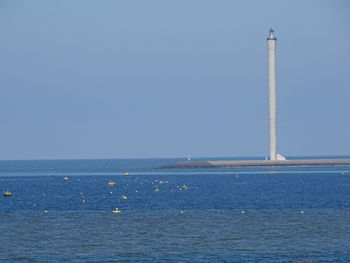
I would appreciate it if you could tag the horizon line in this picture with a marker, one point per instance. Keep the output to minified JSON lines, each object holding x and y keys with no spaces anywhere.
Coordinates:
{"x":178,"y":157}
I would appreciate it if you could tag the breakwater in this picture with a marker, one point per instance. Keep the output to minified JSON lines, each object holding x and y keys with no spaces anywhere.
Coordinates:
{"x":258,"y":163}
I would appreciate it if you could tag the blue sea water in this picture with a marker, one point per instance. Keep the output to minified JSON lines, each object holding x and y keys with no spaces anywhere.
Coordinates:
{"x":222,"y":215}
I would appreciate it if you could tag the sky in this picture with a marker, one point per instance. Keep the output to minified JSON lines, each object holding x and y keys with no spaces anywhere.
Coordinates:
{"x":146,"y":79}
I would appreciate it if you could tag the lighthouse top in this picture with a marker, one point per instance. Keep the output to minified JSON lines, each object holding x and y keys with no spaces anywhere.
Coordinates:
{"x":271,"y":35}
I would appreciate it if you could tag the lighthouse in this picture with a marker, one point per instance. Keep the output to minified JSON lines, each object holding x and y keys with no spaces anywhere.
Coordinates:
{"x":271,"y":42}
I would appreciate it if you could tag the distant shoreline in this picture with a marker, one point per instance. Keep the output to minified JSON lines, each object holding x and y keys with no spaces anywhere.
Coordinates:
{"x":258,"y":163}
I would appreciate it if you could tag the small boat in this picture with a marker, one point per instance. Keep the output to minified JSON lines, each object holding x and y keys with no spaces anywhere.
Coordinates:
{"x":111,"y":183}
{"x":185,"y":187}
{"x":7,"y":193}
{"x":163,"y":182}
{"x":66,"y":178}
{"x":116,"y":211}
{"x":123,"y":197}
{"x":126,"y":174}
{"x":157,"y":190}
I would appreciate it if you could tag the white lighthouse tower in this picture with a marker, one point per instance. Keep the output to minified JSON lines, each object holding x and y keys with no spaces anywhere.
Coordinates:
{"x":271,"y":42}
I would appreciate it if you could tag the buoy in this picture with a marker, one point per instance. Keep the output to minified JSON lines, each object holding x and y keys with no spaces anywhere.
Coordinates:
{"x":301,"y":212}
{"x":116,"y":211}
{"x":45,"y":211}
{"x":7,"y":193}
{"x":242,"y":212}
{"x":66,"y":178}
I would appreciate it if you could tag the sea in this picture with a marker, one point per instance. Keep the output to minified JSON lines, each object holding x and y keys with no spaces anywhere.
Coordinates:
{"x":70,"y":211}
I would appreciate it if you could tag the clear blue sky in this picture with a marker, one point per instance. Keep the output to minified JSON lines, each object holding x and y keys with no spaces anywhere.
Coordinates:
{"x":125,"y":79}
